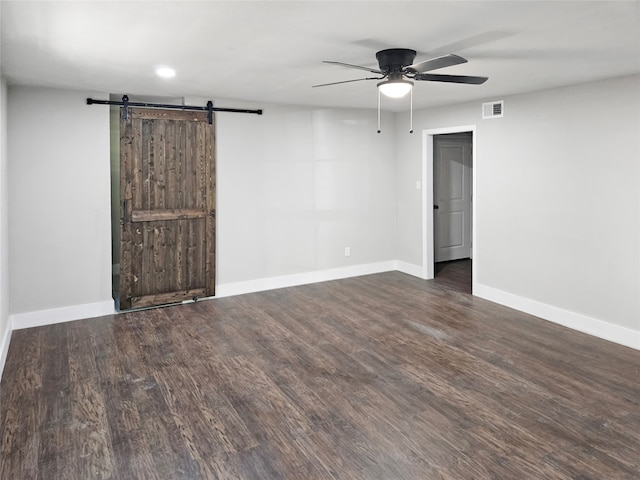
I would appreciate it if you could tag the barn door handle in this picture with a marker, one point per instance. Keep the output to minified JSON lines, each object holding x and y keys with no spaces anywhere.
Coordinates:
{"x":436,"y":207}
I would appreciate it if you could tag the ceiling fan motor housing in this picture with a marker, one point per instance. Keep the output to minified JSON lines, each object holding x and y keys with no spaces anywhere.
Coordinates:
{"x":395,"y":59}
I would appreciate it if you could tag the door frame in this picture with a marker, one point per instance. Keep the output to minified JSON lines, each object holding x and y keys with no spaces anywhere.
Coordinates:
{"x":428,"y":254}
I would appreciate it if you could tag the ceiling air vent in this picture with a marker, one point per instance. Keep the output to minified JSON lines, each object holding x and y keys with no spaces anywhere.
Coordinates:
{"x":493,"y":109}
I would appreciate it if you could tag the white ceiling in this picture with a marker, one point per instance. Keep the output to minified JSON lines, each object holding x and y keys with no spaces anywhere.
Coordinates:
{"x":272,"y":51}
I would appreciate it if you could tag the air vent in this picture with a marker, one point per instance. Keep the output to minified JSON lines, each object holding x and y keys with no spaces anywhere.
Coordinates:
{"x":493,"y":109}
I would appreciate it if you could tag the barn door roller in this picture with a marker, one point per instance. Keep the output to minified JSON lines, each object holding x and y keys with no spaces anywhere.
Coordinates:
{"x":209,"y":108}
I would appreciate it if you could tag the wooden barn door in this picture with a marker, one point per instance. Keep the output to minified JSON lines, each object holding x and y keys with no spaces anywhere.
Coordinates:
{"x":167,"y":205}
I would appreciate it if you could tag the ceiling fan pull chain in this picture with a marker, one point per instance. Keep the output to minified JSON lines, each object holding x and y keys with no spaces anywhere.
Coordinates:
{"x":378,"y":110}
{"x":411,"y":113}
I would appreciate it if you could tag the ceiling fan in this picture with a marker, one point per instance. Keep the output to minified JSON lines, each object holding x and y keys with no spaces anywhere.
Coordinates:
{"x":397,"y":70}
{"x":396,"y":64}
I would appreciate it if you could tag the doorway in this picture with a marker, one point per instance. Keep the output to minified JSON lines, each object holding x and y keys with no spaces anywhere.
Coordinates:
{"x":449,"y":237}
{"x":452,"y":196}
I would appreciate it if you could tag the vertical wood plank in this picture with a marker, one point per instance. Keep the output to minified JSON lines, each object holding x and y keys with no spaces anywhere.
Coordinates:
{"x":158,"y":179}
{"x":148,"y":279}
{"x":190,"y":166}
{"x":171,"y":147}
{"x":191,"y":247}
{"x":199,"y":244}
{"x":181,"y":264}
{"x":147,"y":159}
{"x":210,"y":196}
{"x":181,"y":164}
{"x":171,"y":256}
{"x":201,"y":185}
{"x":158,"y":254}
{"x":140,"y":159}
{"x":200,"y":259}
{"x":129,"y":189}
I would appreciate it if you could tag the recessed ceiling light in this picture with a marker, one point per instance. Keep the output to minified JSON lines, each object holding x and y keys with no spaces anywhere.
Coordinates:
{"x":165,"y":72}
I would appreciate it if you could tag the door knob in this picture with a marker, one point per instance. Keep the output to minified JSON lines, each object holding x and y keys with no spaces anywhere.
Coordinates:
{"x":436,"y":207}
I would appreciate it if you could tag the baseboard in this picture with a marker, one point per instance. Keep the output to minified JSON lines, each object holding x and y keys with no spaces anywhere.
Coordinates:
{"x":410,"y":269}
{"x":59,"y":315}
{"x":582,"y":323}
{"x":4,"y":348}
{"x":271,"y":283}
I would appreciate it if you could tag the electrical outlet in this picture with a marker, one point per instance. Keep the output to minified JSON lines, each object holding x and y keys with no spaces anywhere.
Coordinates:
{"x":347,"y":251}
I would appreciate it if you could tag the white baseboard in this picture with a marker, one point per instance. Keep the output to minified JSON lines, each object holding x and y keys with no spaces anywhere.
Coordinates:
{"x":262,"y":284}
{"x":60,"y":315}
{"x":4,"y":347}
{"x":576,"y":321}
{"x":410,"y":269}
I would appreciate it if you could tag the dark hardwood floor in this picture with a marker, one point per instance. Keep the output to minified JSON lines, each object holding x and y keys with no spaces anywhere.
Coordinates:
{"x":377,"y":377}
{"x":455,"y":275}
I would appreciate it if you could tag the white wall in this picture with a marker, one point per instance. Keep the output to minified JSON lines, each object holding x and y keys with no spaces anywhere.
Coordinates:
{"x":59,"y":211}
{"x":5,"y":330}
{"x":296,"y":186}
{"x":558,"y":199}
{"x":4,"y":223}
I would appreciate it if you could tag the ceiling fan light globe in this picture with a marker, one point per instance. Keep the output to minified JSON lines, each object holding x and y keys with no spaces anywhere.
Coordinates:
{"x":395,"y":89}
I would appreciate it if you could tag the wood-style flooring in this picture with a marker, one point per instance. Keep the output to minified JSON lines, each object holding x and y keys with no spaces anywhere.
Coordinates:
{"x":378,"y":377}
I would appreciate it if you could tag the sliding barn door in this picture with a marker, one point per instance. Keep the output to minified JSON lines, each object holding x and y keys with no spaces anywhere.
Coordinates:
{"x":167,"y":196}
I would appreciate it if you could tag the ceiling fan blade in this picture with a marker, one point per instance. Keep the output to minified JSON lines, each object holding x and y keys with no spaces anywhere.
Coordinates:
{"x":435,"y":63}
{"x":366,"y":69}
{"x":347,"y":81}
{"x":434,"y":77}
